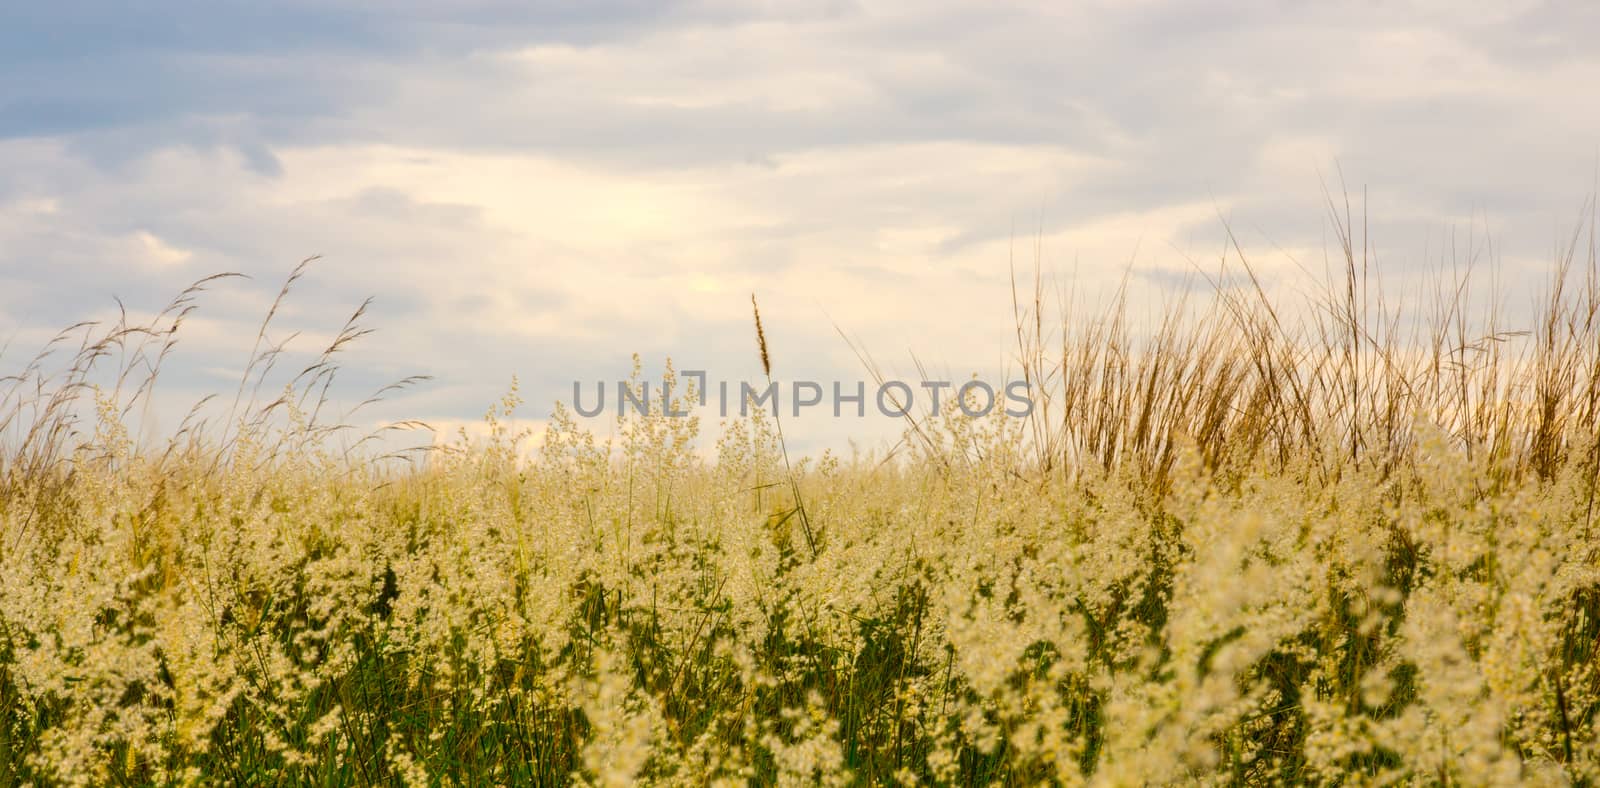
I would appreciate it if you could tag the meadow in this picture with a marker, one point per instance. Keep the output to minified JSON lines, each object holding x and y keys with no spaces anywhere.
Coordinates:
{"x":1335,"y":541}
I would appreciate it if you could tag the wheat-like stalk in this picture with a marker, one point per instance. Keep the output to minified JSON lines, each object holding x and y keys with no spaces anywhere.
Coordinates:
{"x":761,"y":338}
{"x":783,"y":445}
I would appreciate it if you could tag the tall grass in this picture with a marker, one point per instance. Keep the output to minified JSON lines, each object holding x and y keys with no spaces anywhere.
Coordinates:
{"x":1261,"y":543}
{"x":1334,"y":384}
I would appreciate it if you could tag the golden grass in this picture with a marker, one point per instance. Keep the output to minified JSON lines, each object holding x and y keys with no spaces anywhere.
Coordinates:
{"x":1258,"y":545}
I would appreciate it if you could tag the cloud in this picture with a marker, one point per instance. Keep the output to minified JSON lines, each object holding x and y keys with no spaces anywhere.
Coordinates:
{"x":542,"y":189}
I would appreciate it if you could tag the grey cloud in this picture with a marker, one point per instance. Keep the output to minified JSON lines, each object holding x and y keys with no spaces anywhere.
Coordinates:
{"x":1175,"y":104}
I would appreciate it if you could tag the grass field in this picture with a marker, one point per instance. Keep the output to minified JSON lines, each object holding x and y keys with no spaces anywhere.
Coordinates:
{"x":1329,"y":542}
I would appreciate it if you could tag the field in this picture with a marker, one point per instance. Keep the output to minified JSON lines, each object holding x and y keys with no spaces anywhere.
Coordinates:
{"x":1258,"y":543}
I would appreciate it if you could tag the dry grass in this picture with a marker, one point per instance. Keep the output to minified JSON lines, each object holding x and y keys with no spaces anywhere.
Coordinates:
{"x":1339,"y":542}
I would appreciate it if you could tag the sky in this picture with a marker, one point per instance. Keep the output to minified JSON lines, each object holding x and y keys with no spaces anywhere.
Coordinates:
{"x":542,"y":189}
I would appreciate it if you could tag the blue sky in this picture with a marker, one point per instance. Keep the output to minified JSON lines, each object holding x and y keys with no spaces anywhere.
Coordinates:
{"x":541,"y":189}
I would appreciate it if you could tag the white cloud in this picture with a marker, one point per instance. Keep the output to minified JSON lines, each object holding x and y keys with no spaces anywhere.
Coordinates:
{"x":149,"y":248}
{"x":543,"y":195}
